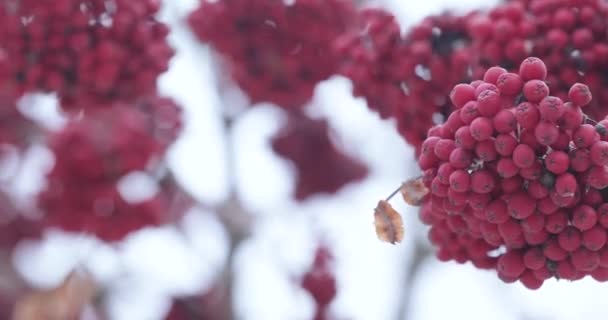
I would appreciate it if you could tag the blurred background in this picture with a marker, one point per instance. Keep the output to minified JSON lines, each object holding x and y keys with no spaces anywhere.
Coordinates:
{"x":232,"y":171}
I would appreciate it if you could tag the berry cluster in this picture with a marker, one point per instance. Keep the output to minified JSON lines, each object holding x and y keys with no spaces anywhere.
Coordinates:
{"x":406,"y":77}
{"x":570,"y":36}
{"x":518,"y":170}
{"x":320,"y":282}
{"x":275,"y":52}
{"x":93,"y":153}
{"x":321,"y":167}
{"x":90,"y":52}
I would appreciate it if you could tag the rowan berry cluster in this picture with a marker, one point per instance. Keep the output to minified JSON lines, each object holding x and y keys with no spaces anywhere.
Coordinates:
{"x":406,"y":77}
{"x":320,"y":282}
{"x":91,"y":53}
{"x":92,"y":154}
{"x":275,"y":52}
{"x":320,"y":165}
{"x":517,"y":179}
{"x":570,"y":36}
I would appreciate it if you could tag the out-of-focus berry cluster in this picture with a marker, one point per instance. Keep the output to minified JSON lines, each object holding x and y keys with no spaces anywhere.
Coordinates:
{"x":103,"y":58}
{"x":92,"y":154}
{"x":517,"y":179}
{"x":275,"y":52}
{"x":320,"y":165}
{"x":406,"y":77}
{"x":91,"y":53}
{"x":278,"y":52}
{"x":320,"y":282}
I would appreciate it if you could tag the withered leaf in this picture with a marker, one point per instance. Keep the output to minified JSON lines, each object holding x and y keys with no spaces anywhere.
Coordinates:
{"x":65,"y":302}
{"x":388,"y":222}
{"x":413,"y":191}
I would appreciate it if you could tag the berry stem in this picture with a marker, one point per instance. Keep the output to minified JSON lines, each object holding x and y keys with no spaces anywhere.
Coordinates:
{"x":394,"y":193}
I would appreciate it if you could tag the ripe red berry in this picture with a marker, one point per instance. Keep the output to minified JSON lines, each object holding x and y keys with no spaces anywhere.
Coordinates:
{"x":481,"y":128}
{"x":505,"y":144}
{"x":551,"y":109}
{"x":595,"y":238}
{"x":511,"y":264}
{"x":530,"y":281}
{"x":535,"y":90}
{"x":509,"y":83}
{"x":460,"y":181}
{"x":521,"y":205}
{"x":566,"y":185}
{"x":556,"y":222}
{"x":532,"y":68}
{"x":534,"y":258}
{"x":579,"y":94}
{"x":504,"y":121}
{"x":506,"y":168}
{"x":482,"y":181}
{"x":533,"y":223}
{"x":461,"y":94}
{"x":527,"y":115}
{"x":557,"y":162}
{"x":546,"y":133}
{"x":584,"y":217}
{"x":585,"y":260}
{"x":510,"y":229}
{"x":569,"y":239}
{"x":523,"y":156}
{"x":599,"y":153}
{"x":460,"y":158}
{"x":488,"y":103}
{"x":485,"y":151}
{"x":585,"y":136}
{"x":572,"y":117}
{"x":443,"y":148}
{"x":464,"y":139}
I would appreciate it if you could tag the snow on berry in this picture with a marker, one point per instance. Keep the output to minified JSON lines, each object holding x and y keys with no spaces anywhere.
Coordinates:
{"x":535,"y":191}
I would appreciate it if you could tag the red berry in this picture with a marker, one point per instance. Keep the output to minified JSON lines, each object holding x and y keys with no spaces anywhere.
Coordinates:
{"x":511,"y":264}
{"x":505,"y":144}
{"x":482,"y":181}
{"x":521,"y":205}
{"x":461,"y":94}
{"x":595,"y":238}
{"x":599,"y":153}
{"x":585,"y":136}
{"x":488,"y":103}
{"x":509,"y":84}
{"x":533,"y":223}
{"x":481,"y":129}
{"x":585,"y":260}
{"x":572,"y":117}
{"x":460,"y":181}
{"x":532,"y":68}
{"x":551,"y":109}
{"x":444,"y":172}
{"x":469,"y":112}
{"x":534,"y":258}
{"x":580,"y":160}
{"x":493,"y":73}
{"x":530,"y":281}
{"x":556,"y":222}
{"x":557,"y":162}
{"x":535,"y":90}
{"x":579,"y":94}
{"x":485,"y":151}
{"x":553,"y":251}
{"x":527,"y":115}
{"x":460,"y":158}
{"x":464,"y":139}
{"x":584,"y":217}
{"x":523,"y":156}
{"x":546,"y":133}
{"x":569,"y":239}
{"x":443,"y":148}
{"x":504,"y":121}
{"x":537,"y":190}
{"x":566,"y":185}
{"x":510,"y":230}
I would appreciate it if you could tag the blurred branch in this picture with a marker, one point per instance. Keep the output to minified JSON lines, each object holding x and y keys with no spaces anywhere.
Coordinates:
{"x":413,"y":268}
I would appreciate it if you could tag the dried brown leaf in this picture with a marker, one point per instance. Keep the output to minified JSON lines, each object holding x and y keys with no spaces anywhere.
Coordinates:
{"x":65,"y":302}
{"x":388,"y":222}
{"x":413,"y":191}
